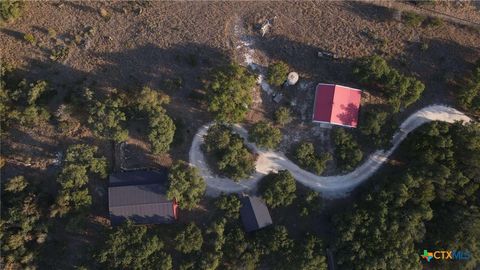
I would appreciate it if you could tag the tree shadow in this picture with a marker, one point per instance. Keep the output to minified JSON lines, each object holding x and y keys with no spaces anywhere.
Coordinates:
{"x":15,"y":34}
{"x":80,"y":7}
{"x":369,"y":11}
{"x":303,"y":58}
{"x":349,"y":115}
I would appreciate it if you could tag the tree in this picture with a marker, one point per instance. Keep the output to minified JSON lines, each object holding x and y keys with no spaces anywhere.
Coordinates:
{"x":162,"y":130}
{"x":151,"y":101}
{"x":283,"y":116}
{"x":277,"y":245}
{"x":311,"y":255}
{"x":399,"y":90}
{"x":186,"y":185}
{"x":107,"y":120}
{"x":377,"y":126}
{"x":11,"y":9}
{"x":468,"y":97}
{"x":189,"y":240}
{"x":347,"y":152}
{"x":307,"y":158}
{"x":22,"y":229}
{"x":278,"y":189}
{"x":277,"y":73}
{"x":230,"y":206}
{"x":310,"y":203}
{"x":230,"y":93}
{"x":161,"y":126}
{"x":74,"y":196}
{"x":232,"y":157}
{"x":265,"y":135}
{"x":131,"y":246}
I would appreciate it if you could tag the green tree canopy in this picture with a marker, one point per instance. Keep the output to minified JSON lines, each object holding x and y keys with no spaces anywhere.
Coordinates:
{"x":186,"y":185}
{"x":108,"y":119}
{"x":189,"y":240}
{"x":265,"y":135}
{"x":131,"y":246}
{"x":283,"y":116}
{"x":232,"y":157}
{"x":347,"y":152}
{"x":230,"y":205}
{"x":307,"y":158}
{"x":277,"y":73}
{"x":230,"y":93}
{"x":278,"y":189}
{"x":399,"y":90}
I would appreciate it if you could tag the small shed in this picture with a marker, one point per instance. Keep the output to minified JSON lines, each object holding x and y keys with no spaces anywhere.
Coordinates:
{"x":141,"y":197}
{"x":254,"y":214}
{"x":336,"y":105}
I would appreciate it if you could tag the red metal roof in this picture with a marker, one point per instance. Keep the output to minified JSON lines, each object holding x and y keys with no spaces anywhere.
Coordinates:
{"x":336,"y":104}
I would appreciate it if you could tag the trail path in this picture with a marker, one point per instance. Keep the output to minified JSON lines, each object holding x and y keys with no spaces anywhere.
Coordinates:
{"x":329,"y":186}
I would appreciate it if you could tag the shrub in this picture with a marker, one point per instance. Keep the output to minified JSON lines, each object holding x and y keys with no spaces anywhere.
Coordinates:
{"x":347,"y":151}
{"x":283,"y":116}
{"x":107,"y":120}
{"x":232,"y":157}
{"x":186,"y":185}
{"x":399,"y":90}
{"x":10,"y":9}
{"x":277,"y":73}
{"x":162,"y":131}
{"x":132,"y":246}
{"x":189,"y":240}
{"x":59,"y":53}
{"x":230,"y":93}
{"x":307,"y":158}
{"x":278,"y":189}
{"x":230,"y":205}
{"x":413,"y":19}
{"x":265,"y":135}
{"x":434,"y":22}
{"x":30,"y":39}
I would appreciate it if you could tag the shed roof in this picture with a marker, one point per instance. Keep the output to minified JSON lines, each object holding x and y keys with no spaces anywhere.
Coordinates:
{"x":141,"y":197}
{"x":254,"y":214}
{"x":336,"y":104}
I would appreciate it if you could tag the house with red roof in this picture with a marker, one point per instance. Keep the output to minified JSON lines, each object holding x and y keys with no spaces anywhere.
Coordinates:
{"x":337,"y":105}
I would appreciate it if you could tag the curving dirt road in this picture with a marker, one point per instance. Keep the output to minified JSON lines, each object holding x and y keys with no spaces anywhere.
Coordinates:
{"x":329,"y":186}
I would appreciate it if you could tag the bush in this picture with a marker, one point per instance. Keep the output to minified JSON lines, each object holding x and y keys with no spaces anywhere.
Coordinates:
{"x":283,"y":116}
{"x":399,"y":90}
{"x":230,"y":206}
{"x":377,"y":126}
{"x":186,"y":185}
{"x":107,"y":120}
{"x":468,"y":97}
{"x":278,"y":189}
{"x":10,"y":9}
{"x":30,"y":39}
{"x":310,"y":203}
{"x":232,"y":157}
{"x":413,"y":19}
{"x":189,"y":240}
{"x":230,"y":93}
{"x":347,"y":151}
{"x":277,"y":73}
{"x":131,"y":246}
{"x":307,"y":158}
{"x":265,"y":135}
{"x":162,"y":131}
{"x":434,"y":22}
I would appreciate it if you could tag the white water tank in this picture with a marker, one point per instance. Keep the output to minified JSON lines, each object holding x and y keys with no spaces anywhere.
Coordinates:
{"x":292,"y":78}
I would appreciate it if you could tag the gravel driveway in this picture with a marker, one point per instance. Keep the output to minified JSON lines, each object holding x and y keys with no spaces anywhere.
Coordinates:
{"x":329,"y":186}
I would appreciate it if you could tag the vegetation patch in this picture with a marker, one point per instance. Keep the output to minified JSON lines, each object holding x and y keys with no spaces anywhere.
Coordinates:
{"x":265,"y":135}
{"x":231,"y":156}
{"x":347,"y":152}
{"x":306,"y":156}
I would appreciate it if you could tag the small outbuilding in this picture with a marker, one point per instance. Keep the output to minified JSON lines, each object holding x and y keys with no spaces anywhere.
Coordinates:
{"x":254,"y":214}
{"x":141,"y":197}
{"x":337,"y":105}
